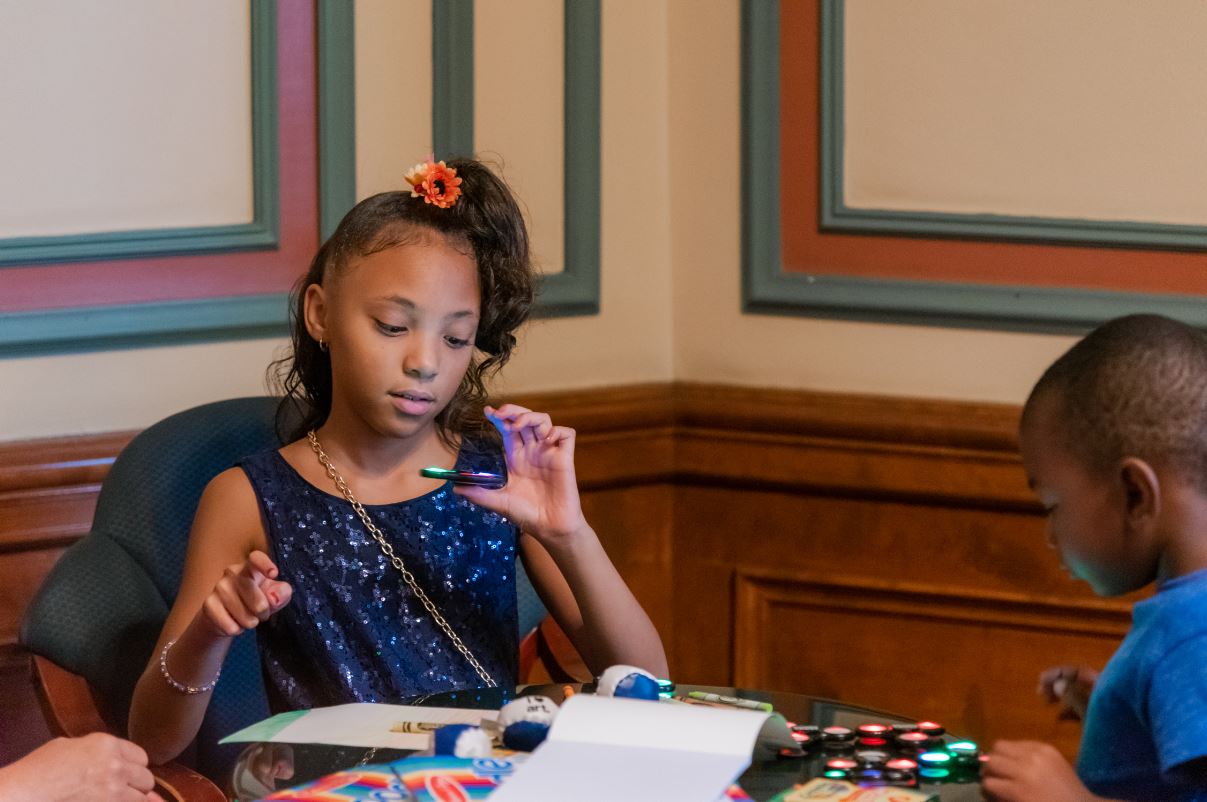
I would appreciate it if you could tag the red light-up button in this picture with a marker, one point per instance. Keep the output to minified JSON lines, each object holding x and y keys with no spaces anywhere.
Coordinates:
{"x":914,"y":740}
{"x":841,"y":764}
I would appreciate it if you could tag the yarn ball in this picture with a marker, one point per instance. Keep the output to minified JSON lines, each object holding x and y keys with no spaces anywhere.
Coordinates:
{"x":627,"y":682}
{"x":525,"y":722}
{"x":461,"y":740}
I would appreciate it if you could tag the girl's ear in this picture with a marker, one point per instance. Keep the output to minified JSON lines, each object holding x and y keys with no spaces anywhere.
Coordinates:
{"x":1142,"y":490}
{"x":315,"y":308}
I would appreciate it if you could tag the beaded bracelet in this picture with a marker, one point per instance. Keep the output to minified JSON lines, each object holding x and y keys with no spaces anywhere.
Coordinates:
{"x":180,"y":686}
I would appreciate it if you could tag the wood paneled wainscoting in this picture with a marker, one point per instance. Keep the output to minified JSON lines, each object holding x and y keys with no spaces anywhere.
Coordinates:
{"x":879,"y":550}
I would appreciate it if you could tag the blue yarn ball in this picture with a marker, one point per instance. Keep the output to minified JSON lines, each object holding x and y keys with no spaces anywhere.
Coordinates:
{"x":637,"y":686}
{"x":461,"y":740}
{"x":524,"y":736}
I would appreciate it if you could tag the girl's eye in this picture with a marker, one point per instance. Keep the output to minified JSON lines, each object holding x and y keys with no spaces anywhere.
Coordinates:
{"x":386,"y":328}
{"x":456,"y":342}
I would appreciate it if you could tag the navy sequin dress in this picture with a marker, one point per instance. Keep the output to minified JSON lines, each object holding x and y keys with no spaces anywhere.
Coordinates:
{"x":354,"y":632}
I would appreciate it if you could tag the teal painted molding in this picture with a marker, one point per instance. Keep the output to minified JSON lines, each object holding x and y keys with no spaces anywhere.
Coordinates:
{"x":102,"y":328}
{"x":142,"y":325}
{"x":768,"y":288}
{"x":261,"y":233}
{"x":453,"y":78}
{"x":837,"y":216}
{"x":575,"y":290}
{"x":337,"y":112}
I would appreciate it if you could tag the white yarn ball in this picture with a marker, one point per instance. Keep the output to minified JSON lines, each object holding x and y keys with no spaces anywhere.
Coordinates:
{"x":540,"y":709}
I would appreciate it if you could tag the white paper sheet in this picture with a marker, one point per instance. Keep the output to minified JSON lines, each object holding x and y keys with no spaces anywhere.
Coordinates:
{"x":603,"y":749}
{"x":359,"y":725}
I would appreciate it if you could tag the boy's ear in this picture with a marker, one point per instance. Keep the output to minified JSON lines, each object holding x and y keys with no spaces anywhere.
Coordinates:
{"x":315,"y":310}
{"x":1142,"y":490}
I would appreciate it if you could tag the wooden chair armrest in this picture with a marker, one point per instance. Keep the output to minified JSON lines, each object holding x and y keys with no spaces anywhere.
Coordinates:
{"x":558,"y":654}
{"x":177,"y":783}
{"x":70,"y":710}
{"x":67,"y":702}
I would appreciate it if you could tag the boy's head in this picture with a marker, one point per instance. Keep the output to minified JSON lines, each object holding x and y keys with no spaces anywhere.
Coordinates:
{"x":1113,"y":431}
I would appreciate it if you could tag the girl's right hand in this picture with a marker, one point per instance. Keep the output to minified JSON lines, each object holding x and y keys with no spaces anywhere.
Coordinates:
{"x":1070,"y":686}
{"x":248,"y":593}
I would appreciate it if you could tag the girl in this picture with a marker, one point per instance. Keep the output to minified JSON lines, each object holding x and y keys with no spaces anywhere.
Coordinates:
{"x":365,"y":580}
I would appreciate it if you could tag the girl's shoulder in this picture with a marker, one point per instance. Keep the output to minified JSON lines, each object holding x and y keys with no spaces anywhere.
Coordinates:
{"x":229,"y":508}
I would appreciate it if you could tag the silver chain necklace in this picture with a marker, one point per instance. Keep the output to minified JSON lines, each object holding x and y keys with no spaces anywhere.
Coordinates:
{"x":388,"y":550}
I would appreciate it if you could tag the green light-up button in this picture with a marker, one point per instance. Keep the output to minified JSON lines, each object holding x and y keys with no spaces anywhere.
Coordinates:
{"x":934,"y":759}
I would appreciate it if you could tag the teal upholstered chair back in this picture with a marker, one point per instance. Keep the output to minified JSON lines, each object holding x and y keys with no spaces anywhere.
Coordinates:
{"x":100,"y":610}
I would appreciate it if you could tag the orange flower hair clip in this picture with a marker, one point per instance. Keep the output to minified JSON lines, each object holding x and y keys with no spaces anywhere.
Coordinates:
{"x":435,"y":182}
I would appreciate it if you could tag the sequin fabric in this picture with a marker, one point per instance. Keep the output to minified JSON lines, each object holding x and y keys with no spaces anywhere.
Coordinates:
{"x":353,"y":632}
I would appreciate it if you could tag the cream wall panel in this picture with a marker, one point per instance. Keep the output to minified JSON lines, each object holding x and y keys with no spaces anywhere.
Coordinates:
{"x":518,"y":102}
{"x":124,"y":115}
{"x":631,"y":339}
{"x":518,"y":110}
{"x":1055,"y":108}
{"x":393,"y":91}
{"x":714,"y":341}
{"x":117,"y":390}
{"x":674,"y":112}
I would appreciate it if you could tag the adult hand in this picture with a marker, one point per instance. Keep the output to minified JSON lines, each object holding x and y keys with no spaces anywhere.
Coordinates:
{"x":1030,"y":771}
{"x":95,"y":768}
{"x":541,"y":495}
{"x":248,"y":593}
{"x":1070,"y":686}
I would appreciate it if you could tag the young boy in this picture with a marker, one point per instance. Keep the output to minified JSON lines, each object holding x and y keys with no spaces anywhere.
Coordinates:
{"x":1114,"y":440}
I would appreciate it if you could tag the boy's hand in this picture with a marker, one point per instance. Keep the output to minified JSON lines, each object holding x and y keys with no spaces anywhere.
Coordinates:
{"x":1071,"y":686}
{"x":247,"y":594}
{"x":1029,"y":771}
{"x":541,"y":495}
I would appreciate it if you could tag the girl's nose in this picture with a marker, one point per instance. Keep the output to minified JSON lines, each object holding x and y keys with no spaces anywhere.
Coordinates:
{"x":419,"y":361}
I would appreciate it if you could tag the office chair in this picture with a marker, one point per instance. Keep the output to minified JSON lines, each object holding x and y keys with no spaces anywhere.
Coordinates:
{"x":94,"y":621}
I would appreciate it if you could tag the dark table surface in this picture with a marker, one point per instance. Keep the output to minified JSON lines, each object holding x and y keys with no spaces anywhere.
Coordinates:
{"x":766,"y":776}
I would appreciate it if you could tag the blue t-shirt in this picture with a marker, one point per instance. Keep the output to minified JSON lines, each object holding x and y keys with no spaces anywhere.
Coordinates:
{"x":1148,"y":711}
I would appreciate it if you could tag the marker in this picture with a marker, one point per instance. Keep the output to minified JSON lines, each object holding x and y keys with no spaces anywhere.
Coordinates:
{"x":749,"y":704}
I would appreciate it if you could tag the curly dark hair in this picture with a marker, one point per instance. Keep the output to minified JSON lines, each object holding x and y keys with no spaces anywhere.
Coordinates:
{"x":487,"y":219}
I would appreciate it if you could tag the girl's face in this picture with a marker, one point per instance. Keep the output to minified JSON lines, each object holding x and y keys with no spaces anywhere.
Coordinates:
{"x":400,"y":327}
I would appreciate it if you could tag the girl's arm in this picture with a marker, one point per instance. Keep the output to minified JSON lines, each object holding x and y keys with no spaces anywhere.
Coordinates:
{"x":562,"y":554}
{"x":228,"y":586}
{"x":593,"y":605}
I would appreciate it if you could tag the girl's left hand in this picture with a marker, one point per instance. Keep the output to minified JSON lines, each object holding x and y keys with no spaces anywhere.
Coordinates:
{"x":541,"y":495}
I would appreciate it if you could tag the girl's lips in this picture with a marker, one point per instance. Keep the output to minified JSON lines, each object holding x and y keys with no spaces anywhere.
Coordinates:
{"x":412,"y":405}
